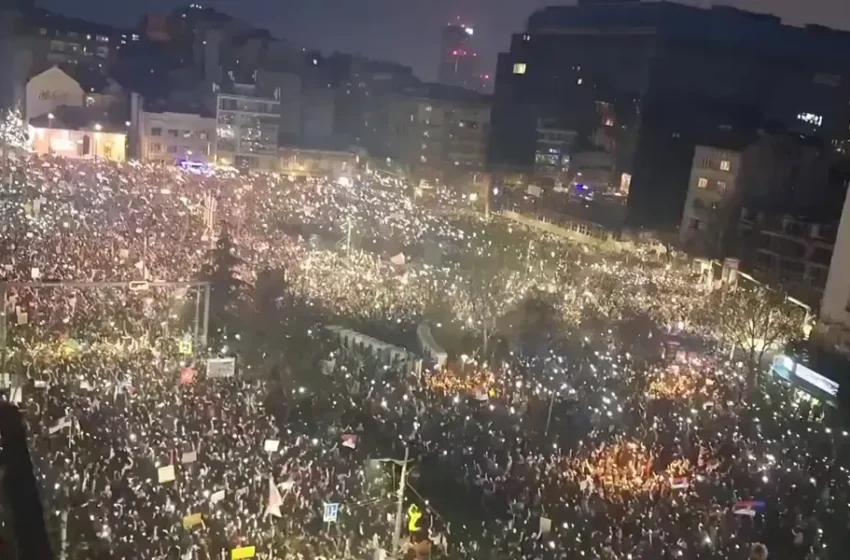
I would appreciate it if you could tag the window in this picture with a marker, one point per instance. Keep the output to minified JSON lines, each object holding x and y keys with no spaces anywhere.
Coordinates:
{"x":102,"y":52}
{"x":156,"y":131}
{"x":580,"y":81}
{"x":156,"y":148}
{"x":187,"y":134}
{"x":702,"y":182}
{"x":57,"y":46}
{"x":526,"y":37}
{"x":42,"y":31}
{"x":520,"y":67}
{"x":102,"y":39}
{"x":172,"y":149}
{"x":725,"y":165}
{"x":135,"y":37}
{"x":811,"y":118}
{"x":173,"y":133}
{"x":721,"y":186}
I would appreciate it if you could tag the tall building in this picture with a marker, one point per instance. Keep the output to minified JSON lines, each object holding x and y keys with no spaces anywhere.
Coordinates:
{"x":247,"y":128}
{"x":713,"y":180}
{"x":674,"y":76}
{"x":457,"y":59}
{"x":438,"y":130}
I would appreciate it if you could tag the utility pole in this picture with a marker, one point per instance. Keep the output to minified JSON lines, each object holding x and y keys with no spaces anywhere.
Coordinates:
{"x":396,"y":544}
{"x":549,"y":417}
{"x":348,"y":239}
{"x":206,"y":332}
{"x":63,"y":548}
{"x":196,"y":341}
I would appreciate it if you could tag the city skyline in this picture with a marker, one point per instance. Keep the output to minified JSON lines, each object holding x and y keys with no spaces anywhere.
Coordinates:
{"x":408,"y":33}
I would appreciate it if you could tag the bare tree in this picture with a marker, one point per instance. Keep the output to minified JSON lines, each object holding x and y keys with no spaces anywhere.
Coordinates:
{"x":754,"y":321}
{"x":493,"y":289}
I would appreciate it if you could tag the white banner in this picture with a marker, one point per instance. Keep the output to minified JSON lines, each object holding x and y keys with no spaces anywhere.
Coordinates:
{"x":221,"y":367}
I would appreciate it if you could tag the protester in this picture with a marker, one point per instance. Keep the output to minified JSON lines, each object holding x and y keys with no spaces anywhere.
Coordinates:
{"x":594,"y":441}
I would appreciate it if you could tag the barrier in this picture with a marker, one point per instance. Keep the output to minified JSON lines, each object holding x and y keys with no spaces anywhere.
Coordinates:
{"x":384,"y":351}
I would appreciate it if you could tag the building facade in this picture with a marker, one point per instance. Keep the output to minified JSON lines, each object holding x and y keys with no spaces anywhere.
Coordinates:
{"x":713,"y":178}
{"x":437,"y":133}
{"x":457,"y":58}
{"x":790,"y":251}
{"x":835,"y":306}
{"x":49,"y":90}
{"x":78,"y":133}
{"x":167,"y":134}
{"x":674,"y":76}
{"x":247,"y":130}
{"x":55,"y":39}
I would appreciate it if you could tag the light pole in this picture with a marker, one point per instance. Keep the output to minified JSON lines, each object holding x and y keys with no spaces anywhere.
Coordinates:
{"x":549,"y":416}
{"x":97,"y":129}
{"x":396,"y":542}
{"x":50,"y":118}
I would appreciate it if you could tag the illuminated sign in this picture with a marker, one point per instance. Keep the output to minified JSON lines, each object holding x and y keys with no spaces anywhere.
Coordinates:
{"x":828,"y":386}
{"x":794,"y":372}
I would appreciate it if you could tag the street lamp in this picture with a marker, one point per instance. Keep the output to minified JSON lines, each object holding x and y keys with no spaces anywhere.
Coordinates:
{"x":97,"y":128}
{"x":50,"y":118}
{"x":396,"y":542}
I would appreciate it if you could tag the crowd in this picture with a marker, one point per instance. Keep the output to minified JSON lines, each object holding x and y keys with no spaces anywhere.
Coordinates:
{"x":596,"y":445}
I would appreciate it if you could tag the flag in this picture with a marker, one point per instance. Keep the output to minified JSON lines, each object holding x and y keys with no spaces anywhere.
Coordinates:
{"x":680,"y":483}
{"x":191,"y":520}
{"x":545,"y":525}
{"x":274,"y":500}
{"x":187,"y":376}
{"x":243,"y":552}
{"x":398,"y":260}
{"x":350,"y":440}
{"x":217,"y":497}
{"x":271,"y":445}
{"x":189,"y":457}
{"x":748,"y":507}
{"x":63,"y":423}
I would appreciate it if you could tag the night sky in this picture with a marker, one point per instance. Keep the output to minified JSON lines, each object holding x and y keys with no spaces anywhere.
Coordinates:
{"x":406,"y":31}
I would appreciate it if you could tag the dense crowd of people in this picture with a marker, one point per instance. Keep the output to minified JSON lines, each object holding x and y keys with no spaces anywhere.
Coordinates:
{"x":596,"y":440}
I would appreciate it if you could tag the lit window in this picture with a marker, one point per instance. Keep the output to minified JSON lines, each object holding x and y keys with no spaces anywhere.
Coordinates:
{"x":721,"y":186}
{"x":580,"y":81}
{"x":520,"y":68}
{"x":135,"y":37}
{"x":702,"y":183}
{"x":526,"y":37}
{"x":811,"y":118}
{"x":725,"y":165}
{"x":42,"y":31}
{"x":102,"y":39}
